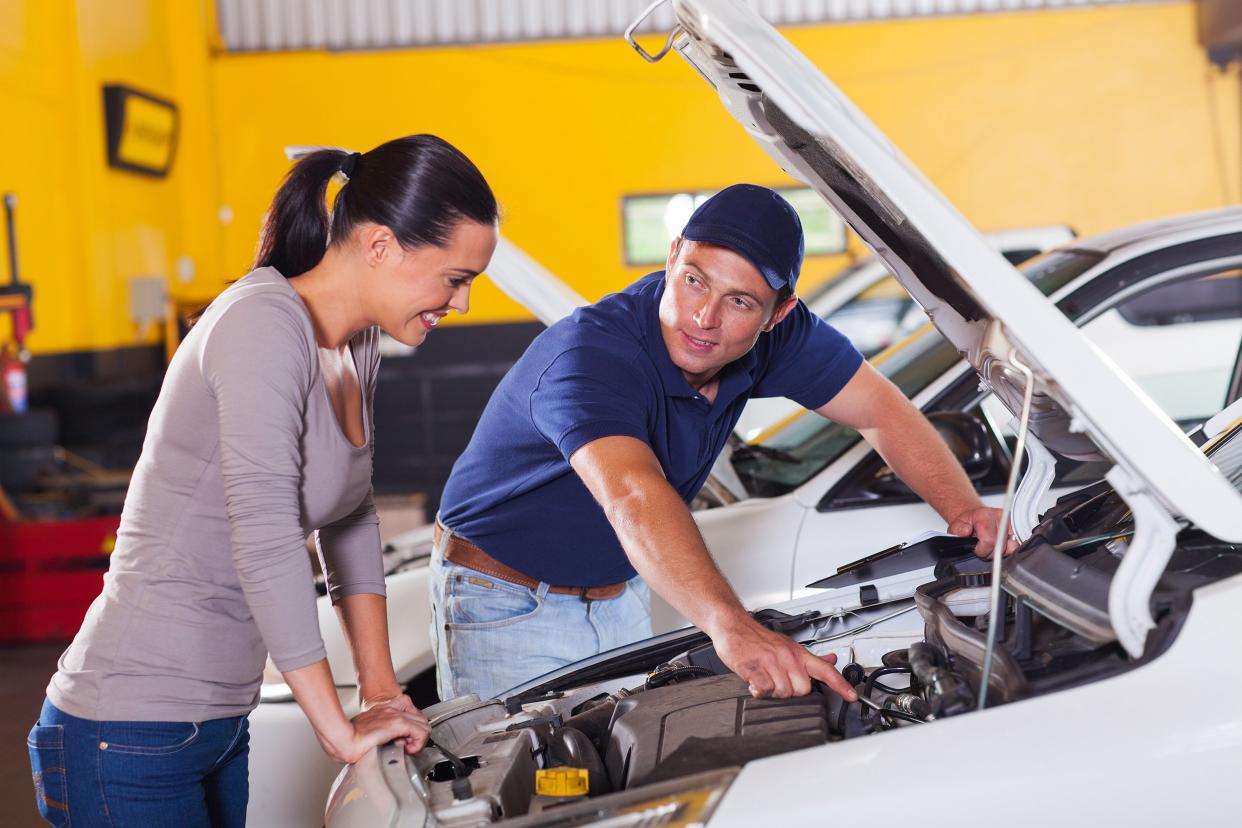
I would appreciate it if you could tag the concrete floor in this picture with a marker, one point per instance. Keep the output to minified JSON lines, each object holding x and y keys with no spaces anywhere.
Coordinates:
{"x":25,"y":672}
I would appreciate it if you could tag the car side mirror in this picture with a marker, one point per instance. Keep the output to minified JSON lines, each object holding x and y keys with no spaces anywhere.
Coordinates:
{"x":968,"y":440}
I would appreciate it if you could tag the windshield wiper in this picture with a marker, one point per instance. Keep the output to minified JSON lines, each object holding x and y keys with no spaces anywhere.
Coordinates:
{"x":751,"y":451}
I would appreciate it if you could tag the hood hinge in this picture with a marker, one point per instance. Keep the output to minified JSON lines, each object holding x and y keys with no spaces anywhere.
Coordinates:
{"x":1144,"y":560}
{"x":1036,"y":481}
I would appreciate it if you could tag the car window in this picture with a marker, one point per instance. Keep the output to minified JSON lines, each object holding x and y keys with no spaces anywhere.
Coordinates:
{"x":1017,"y":257}
{"x":872,"y":483}
{"x":1212,"y":297}
{"x":815,"y":294}
{"x":806,"y":443}
{"x":1178,"y":342}
{"x":877,"y":317}
{"x":884,"y":313}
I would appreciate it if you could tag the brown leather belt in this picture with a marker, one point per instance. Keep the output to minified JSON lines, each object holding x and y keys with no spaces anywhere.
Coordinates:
{"x":464,"y":553}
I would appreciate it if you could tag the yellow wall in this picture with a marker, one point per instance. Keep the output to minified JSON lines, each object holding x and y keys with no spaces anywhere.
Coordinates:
{"x":84,"y":229}
{"x":1096,"y":117}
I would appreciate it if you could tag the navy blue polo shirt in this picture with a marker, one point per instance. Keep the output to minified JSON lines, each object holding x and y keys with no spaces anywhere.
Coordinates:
{"x":605,"y":371}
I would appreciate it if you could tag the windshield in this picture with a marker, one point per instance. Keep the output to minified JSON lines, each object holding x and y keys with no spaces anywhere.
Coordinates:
{"x":807,"y":443}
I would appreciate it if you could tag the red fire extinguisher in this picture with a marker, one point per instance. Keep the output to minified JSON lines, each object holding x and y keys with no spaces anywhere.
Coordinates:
{"x":13,"y":374}
{"x":17,"y":301}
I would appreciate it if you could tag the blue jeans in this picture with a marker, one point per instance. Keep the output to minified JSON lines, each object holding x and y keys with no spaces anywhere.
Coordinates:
{"x":490,"y":635}
{"x":116,"y":774}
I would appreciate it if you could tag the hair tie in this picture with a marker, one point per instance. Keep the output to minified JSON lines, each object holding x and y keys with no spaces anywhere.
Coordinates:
{"x":350,"y":163}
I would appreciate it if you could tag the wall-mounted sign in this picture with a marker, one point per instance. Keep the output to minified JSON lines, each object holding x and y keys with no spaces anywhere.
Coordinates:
{"x":142,"y":130}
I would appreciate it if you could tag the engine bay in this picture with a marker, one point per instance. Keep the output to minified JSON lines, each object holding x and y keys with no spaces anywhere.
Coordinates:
{"x":638,"y":728}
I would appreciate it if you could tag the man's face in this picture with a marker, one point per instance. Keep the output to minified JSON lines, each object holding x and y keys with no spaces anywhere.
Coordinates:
{"x":715,"y":305}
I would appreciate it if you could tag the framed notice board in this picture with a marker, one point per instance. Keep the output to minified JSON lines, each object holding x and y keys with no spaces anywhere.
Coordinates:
{"x":142,"y":130}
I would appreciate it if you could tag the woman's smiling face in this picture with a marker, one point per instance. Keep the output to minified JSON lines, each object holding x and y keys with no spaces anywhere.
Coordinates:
{"x":417,"y":287}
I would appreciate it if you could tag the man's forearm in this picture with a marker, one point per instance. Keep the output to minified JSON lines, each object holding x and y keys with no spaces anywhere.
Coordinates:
{"x":905,"y":439}
{"x":914,"y":450}
{"x":664,"y":544}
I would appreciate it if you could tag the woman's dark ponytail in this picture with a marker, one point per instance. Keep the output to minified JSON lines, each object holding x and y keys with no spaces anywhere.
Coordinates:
{"x":295,"y":231}
{"x":419,"y":187}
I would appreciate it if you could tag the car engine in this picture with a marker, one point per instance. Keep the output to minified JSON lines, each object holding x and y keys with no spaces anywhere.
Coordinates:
{"x":689,"y":716}
{"x":632,"y":732}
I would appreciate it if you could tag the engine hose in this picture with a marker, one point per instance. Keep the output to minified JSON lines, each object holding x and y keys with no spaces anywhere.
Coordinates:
{"x":568,"y":746}
{"x":663,"y":677}
{"x":596,"y":720}
{"x":841,"y":713}
{"x":885,"y":671}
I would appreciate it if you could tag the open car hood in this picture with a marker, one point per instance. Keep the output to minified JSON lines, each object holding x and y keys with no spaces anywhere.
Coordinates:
{"x":1083,"y":406}
{"x":530,"y":284}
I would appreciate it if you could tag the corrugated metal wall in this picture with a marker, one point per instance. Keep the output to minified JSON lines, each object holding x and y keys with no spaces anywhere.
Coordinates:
{"x":273,"y":25}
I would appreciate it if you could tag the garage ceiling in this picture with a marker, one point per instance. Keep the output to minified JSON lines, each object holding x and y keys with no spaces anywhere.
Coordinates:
{"x":274,"y":25}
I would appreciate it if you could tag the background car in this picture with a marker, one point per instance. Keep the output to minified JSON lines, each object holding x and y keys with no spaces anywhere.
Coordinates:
{"x":869,"y":306}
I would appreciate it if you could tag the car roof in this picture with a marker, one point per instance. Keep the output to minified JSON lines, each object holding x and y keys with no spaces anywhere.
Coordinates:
{"x":1161,"y":232}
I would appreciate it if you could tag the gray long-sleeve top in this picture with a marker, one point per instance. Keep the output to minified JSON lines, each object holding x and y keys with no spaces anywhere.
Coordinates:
{"x":243,"y":456}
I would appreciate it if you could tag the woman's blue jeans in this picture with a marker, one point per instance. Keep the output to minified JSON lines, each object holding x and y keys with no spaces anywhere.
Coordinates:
{"x":185,"y":774}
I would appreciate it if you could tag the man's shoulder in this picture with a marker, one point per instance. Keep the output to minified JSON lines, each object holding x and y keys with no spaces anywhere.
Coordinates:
{"x":584,"y":345}
{"x":615,"y":330}
{"x":625,"y":314}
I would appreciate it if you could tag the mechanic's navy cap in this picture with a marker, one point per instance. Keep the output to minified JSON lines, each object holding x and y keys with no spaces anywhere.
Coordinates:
{"x":756,"y":223}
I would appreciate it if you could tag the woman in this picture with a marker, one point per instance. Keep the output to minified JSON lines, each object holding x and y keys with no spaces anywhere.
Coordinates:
{"x":262,"y":431}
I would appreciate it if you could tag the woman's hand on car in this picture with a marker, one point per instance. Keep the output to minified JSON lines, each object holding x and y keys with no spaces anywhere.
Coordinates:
{"x":382,"y":724}
{"x":398,"y":701}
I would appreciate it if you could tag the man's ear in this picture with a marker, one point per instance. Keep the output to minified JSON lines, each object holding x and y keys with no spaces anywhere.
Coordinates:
{"x":378,"y":244}
{"x":673,"y":248}
{"x":782,"y":310}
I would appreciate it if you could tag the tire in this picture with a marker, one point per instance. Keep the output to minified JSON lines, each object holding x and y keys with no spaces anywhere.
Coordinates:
{"x":35,"y":428}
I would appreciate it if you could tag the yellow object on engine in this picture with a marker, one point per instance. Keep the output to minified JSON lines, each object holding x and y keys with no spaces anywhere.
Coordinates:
{"x":562,"y":782}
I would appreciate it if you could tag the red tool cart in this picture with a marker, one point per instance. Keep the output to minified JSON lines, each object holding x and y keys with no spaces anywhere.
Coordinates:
{"x":52,"y":570}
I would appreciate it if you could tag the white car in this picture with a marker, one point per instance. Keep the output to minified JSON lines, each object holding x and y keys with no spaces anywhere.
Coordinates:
{"x":1108,"y":696}
{"x":813,"y":496}
{"x":810,"y":496}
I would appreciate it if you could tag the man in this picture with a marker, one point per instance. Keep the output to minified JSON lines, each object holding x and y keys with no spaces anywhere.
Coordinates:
{"x":577,"y":479}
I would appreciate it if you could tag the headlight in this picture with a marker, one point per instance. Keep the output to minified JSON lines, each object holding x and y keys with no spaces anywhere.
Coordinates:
{"x":679,"y":803}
